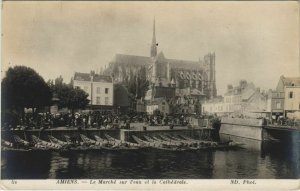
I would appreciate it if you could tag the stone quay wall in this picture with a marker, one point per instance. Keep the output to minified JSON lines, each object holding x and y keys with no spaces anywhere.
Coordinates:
{"x":196,"y":133}
{"x":122,"y":134}
{"x":246,"y":128}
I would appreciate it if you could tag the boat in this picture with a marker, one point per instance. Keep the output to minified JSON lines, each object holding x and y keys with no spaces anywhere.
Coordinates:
{"x":8,"y":149}
{"x":189,"y":143}
{"x":57,"y":141}
{"x":171,"y":140}
{"x":117,"y":144}
{"x":87,"y":140}
{"x":89,"y":144}
{"x":99,"y":139}
{"x":68,"y":139}
{"x":158,"y":145}
{"x":156,"y":139}
{"x":110,"y":138}
{"x":21,"y":142}
{"x":44,"y":145}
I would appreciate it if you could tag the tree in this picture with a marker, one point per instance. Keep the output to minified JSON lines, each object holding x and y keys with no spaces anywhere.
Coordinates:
{"x":72,"y":98}
{"x":78,"y":99}
{"x":22,"y":88}
{"x":138,"y":83}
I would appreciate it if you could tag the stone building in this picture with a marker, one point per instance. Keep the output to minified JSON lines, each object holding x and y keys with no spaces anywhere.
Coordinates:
{"x":275,"y":104}
{"x":290,"y":88}
{"x":99,"y":88}
{"x":168,"y":77}
{"x":244,"y":99}
{"x":160,"y":104}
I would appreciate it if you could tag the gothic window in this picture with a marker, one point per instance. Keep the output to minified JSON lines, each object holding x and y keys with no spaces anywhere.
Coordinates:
{"x":194,"y":77}
{"x":200,"y":84}
{"x":193,"y":84}
{"x":186,"y":83}
{"x":181,"y":75}
{"x":188,"y":76}
{"x":181,"y":84}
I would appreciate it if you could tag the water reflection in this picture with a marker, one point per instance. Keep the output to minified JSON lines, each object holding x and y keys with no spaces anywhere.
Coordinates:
{"x":256,"y":160}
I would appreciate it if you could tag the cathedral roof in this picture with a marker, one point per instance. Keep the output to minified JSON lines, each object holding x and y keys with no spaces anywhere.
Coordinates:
{"x":186,"y":64}
{"x":132,"y":59}
{"x":144,"y":60}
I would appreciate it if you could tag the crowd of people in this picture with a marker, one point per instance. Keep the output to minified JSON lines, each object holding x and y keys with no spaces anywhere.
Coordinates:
{"x":91,"y":119}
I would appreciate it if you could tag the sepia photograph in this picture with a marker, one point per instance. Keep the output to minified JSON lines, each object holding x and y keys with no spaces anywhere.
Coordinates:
{"x":164,"y":90}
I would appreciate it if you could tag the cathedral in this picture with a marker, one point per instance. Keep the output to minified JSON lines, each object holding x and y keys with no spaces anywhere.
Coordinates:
{"x":168,"y":77}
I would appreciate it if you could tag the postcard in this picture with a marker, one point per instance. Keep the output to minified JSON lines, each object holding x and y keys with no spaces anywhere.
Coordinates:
{"x":150,"y":95}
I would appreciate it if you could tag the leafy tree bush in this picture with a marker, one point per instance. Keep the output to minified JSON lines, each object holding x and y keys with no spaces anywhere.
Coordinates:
{"x":72,"y":98}
{"x":215,"y":122}
{"x":23,"y":87}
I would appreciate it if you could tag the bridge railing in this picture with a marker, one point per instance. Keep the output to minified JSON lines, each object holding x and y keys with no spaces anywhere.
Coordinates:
{"x":285,"y":123}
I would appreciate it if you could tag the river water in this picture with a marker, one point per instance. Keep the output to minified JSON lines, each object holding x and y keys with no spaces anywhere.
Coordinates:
{"x":255,"y":160}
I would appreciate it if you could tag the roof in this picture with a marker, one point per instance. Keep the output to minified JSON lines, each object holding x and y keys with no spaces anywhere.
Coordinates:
{"x":144,"y":60}
{"x":218,"y":99}
{"x":132,"y":59}
{"x":291,"y":81}
{"x":102,"y":78}
{"x":96,"y":78}
{"x":247,"y":93}
{"x":184,"y":64}
{"x":82,"y":76}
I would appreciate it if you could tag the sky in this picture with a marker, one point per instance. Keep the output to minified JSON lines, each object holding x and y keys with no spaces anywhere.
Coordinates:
{"x":255,"y":41}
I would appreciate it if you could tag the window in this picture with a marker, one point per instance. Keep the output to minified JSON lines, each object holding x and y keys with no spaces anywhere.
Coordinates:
{"x":106,"y":100}
{"x":98,"y":100}
{"x":278,"y":105}
{"x":291,"y":95}
{"x":98,"y":90}
{"x":106,"y":90}
{"x":163,"y":108}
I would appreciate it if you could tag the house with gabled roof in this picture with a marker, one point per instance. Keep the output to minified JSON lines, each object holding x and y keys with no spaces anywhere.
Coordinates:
{"x":244,"y":99}
{"x":289,"y":87}
{"x":100,"y":89}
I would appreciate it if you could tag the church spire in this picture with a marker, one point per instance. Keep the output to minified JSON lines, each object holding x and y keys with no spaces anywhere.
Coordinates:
{"x":153,"y":52}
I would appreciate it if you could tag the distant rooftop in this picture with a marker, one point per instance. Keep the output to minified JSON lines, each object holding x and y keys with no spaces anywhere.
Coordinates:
{"x":82,"y":76}
{"x":96,"y":77}
{"x":291,"y":81}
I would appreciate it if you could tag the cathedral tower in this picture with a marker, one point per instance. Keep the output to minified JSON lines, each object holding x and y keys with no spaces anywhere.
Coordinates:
{"x":153,"y":51}
{"x":210,"y":71}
